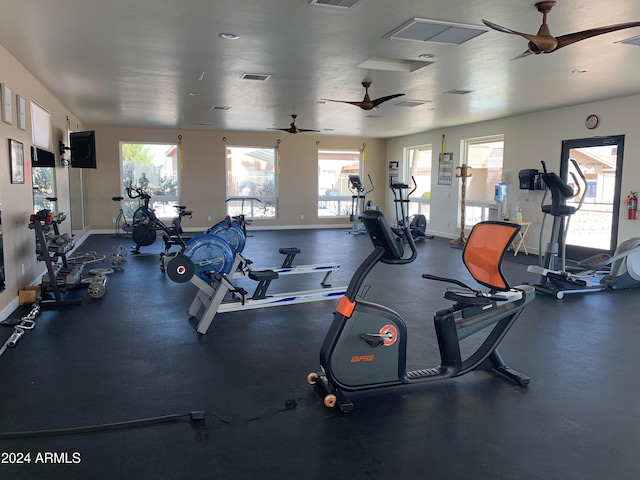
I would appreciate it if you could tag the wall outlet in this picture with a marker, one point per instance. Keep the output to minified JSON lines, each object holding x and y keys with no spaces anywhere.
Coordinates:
{"x":209,"y":218}
{"x":301,"y":217}
{"x":113,"y":219}
{"x":23,"y":269}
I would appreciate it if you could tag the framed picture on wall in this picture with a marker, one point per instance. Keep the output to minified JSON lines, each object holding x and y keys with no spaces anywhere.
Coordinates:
{"x":16,"y":156}
{"x":7,"y":103}
{"x":21,"y":108}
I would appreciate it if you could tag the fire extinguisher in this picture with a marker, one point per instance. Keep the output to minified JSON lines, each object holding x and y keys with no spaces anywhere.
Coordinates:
{"x":632,"y":205}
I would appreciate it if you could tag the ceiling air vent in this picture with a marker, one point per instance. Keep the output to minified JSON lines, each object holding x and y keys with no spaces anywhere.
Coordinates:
{"x":255,"y":76}
{"x":216,"y":107}
{"x":335,"y":3}
{"x":631,"y":41}
{"x":459,"y":92}
{"x":434,"y":31}
{"x":411,"y":103}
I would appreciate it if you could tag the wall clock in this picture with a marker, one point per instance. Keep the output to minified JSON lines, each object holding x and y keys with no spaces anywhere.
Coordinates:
{"x":591,"y":122}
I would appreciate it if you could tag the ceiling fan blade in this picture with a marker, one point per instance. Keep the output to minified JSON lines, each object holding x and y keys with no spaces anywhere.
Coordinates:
{"x":301,"y":130}
{"x":523,"y":54}
{"x":565,"y":40}
{"x":542,"y":41}
{"x":500,"y":28}
{"x":380,"y":100}
{"x":341,"y":101}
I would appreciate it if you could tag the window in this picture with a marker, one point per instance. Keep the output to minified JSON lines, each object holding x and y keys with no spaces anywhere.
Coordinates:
{"x":334,"y":168}
{"x":42,"y":178}
{"x":251,"y":181}
{"x":418,"y":161}
{"x":40,"y":126}
{"x":154,"y":167}
{"x":484,"y":156}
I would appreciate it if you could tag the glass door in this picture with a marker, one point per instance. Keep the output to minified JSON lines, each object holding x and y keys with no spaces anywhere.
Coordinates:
{"x":593,"y":229}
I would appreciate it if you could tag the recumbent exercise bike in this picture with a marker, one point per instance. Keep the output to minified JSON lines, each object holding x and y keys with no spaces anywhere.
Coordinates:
{"x":365,"y":347}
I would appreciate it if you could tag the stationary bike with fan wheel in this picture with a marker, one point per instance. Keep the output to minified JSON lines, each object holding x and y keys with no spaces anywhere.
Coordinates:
{"x":147,"y":224}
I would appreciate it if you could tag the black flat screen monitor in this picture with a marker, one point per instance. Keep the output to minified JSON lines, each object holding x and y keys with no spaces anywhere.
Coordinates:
{"x":42,"y":158}
{"x":83,"y":149}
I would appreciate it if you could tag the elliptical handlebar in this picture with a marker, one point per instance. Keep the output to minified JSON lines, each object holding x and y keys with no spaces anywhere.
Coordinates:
{"x":415,"y":186}
{"x":372,"y":186}
{"x":582,"y":189}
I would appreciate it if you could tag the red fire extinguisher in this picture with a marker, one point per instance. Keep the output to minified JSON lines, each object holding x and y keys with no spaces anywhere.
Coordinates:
{"x":632,"y":205}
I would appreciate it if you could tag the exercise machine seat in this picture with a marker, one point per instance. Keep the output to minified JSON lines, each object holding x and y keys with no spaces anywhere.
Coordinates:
{"x":263,"y":275}
{"x":484,"y":250}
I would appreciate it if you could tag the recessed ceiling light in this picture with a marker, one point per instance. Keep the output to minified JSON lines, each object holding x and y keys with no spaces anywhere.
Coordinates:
{"x":193,"y":94}
{"x":426,"y":55}
{"x":580,"y":70}
{"x":229,"y":36}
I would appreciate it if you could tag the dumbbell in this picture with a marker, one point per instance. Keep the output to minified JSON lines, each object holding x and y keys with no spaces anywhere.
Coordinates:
{"x":98,"y":286}
{"x":117,"y":256}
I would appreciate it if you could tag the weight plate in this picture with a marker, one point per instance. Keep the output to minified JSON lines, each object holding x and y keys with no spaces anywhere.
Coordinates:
{"x":209,"y":253}
{"x":97,"y":290}
{"x":116,"y":260}
{"x":121,"y":249}
{"x":231,"y":233}
{"x":180,"y":269}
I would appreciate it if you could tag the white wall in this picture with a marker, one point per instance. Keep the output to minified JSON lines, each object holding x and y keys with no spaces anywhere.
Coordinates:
{"x":528,"y":140}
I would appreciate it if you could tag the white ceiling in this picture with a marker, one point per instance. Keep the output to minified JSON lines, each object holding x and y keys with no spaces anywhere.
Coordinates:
{"x":139,"y":62}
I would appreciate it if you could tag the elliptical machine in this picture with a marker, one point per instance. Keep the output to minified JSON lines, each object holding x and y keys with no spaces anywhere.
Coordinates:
{"x":358,"y":202}
{"x":365,"y":347}
{"x":417,"y":223}
{"x":593,"y":274}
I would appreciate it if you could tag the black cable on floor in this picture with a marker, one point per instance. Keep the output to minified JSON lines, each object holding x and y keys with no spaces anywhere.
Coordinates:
{"x":194,"y":416}
{"x":93,"y":428}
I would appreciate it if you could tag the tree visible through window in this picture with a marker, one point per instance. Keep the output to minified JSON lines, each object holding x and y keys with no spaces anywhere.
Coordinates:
{"x":154,"y":168}
{"x":42,"y":178}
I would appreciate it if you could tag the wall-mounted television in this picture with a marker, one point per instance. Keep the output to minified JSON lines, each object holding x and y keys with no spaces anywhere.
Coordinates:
{"x":83,"y":149}
{"x":42,"y":158}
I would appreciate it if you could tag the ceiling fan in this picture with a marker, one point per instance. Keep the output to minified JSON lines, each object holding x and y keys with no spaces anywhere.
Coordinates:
{"x":544,"y":42}
{"x":367,"y":103}
{"x":292,"y":127}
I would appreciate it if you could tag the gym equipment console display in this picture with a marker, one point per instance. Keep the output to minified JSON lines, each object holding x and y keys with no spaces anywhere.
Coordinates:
{"x":365,"y":347}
